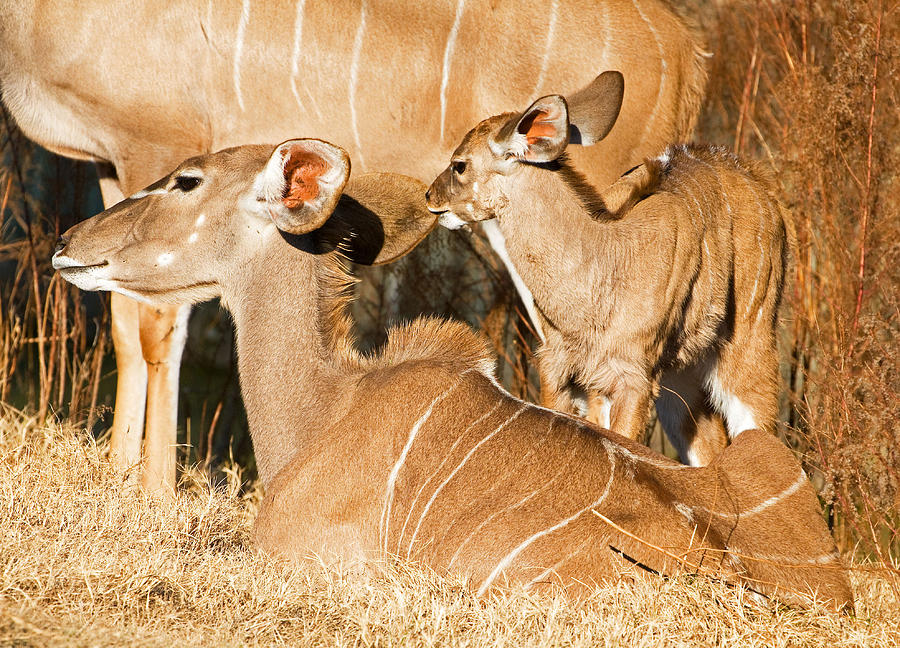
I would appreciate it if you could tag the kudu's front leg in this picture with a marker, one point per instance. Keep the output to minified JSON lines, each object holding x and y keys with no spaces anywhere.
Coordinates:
{"x":163,"y":332}
{"x":630,"y":408}
{"x":131,"y":386}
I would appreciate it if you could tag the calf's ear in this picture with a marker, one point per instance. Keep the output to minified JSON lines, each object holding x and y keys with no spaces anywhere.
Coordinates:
{"x":593,"y":110}
{"x":540,"y":134}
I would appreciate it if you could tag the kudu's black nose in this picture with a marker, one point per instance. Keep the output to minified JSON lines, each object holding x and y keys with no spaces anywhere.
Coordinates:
{"x":428,"y":196}
{"x":61,"y":243}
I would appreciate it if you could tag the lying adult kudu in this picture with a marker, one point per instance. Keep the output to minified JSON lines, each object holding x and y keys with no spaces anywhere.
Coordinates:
{"x":674,"y":273}
{"x":142,"y":86}
{"x":417,"y":451}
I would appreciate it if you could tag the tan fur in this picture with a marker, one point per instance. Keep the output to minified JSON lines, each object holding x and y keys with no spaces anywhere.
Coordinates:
{"x":417,"y":452}
{"x":677,"y":269}
{"x":394,"y":83}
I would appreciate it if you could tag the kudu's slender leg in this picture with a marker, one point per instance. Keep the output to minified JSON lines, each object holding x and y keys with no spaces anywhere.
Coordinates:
{"x":163,"y":331}
{"x":131,"y":370}
{"x":630,"y":408}
{"x":690,"y":423}
{"x":148,"y":342}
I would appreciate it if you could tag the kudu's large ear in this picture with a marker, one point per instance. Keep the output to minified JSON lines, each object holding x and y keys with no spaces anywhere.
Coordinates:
{"x":380,"y":217}
{"x":302,"y":183}
{"x":593,"y":110}
{"x":540,"y":134}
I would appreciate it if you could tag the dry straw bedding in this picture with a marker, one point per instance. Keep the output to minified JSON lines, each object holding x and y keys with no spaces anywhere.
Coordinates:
{"x":83,"y":561}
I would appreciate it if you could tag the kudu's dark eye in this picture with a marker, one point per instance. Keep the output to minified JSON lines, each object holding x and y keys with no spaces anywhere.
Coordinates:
{"x":459,"y":167}
{"x":186,"y":183}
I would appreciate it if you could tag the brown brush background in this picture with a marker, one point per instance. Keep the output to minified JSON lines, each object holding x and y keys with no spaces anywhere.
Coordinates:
{"x":809,"y":87}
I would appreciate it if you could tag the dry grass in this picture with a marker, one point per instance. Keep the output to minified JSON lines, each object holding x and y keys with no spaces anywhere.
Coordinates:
{"x":85,"y":562}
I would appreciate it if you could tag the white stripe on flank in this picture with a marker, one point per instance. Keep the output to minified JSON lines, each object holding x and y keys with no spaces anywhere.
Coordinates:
{"x":438,"y":469}
{"x":762,"y":506}
{"x":448,"y":52}
{"x":495,"y":514}
{"x":551,"y":32}
{"x":295,"y":53}
{"x":662,"y":71}
{"x":762,"y":256}
{"x":787,"y":492}
{"x":354,"y":72}
{"x":559,"y":563}
{"x":495,"y":238}
{"x":239,"y":51}
{"x":456,"y":470}
{"x":395,"y":471}
{"x":512,"y":555}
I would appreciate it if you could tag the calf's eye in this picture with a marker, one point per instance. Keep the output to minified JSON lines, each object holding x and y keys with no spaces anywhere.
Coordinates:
{"x":459,"y":167}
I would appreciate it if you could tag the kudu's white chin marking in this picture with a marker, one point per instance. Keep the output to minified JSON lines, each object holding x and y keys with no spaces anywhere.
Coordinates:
{"x":495,"y":238}
{"x":451,"y":221}
{"x":507,"y":560}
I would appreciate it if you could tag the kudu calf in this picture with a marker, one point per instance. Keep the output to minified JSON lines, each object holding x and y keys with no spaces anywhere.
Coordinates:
{"x":417,"y":451}
{"x":671,"y":276}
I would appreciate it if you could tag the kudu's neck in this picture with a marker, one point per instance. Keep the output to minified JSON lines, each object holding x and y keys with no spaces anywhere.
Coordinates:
{"x":554,"y":225}
{"x":289,"y":375}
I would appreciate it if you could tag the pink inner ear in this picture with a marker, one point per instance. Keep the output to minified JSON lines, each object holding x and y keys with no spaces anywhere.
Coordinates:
{"x":302,"y":170}
{"x":540,"y":128}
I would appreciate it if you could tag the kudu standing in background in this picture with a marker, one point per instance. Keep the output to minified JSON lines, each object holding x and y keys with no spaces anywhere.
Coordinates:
{"x":417,"y":451}
{"x":672,"y":274}
{"x":140,"y":86}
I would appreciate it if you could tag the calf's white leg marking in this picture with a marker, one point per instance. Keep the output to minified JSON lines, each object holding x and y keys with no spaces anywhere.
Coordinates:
{"x":738,"y":416}
{"x":512,"y":555}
